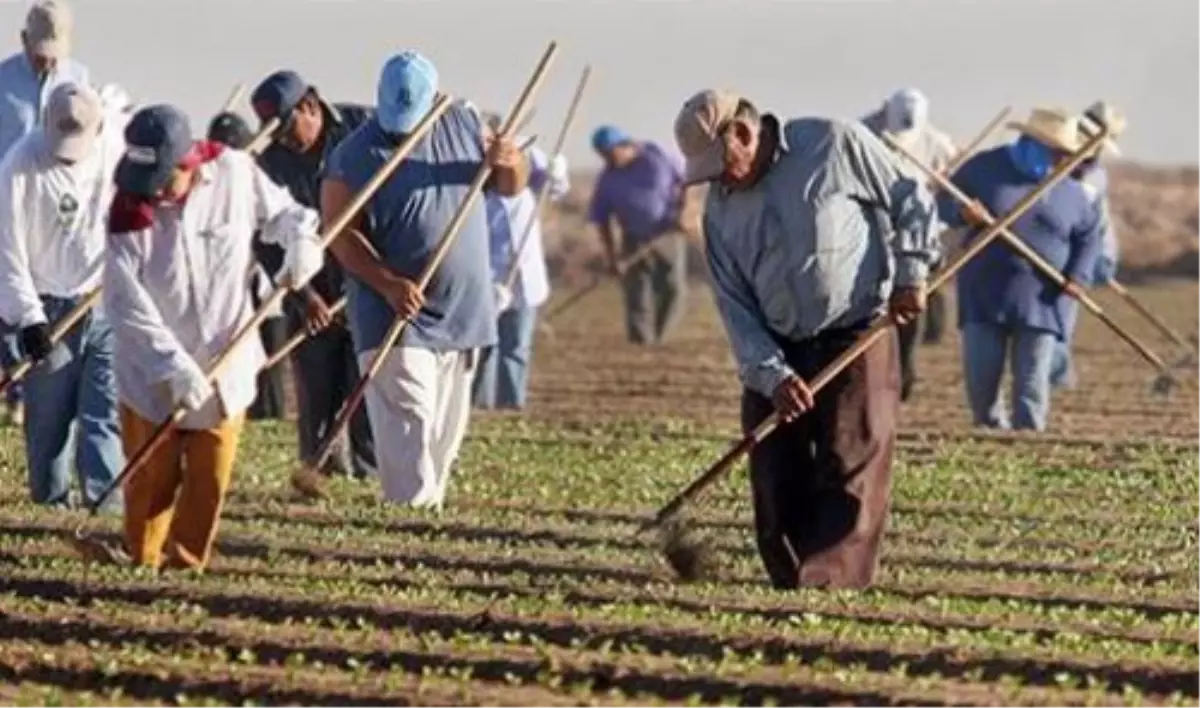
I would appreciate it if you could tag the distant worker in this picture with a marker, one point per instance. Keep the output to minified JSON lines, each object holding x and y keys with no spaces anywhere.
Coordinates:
{"x":905,"y":118}
{"x":641,"y":188}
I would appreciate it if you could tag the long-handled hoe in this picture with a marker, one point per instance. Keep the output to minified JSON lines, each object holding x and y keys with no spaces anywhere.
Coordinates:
{"x":686,"y":553}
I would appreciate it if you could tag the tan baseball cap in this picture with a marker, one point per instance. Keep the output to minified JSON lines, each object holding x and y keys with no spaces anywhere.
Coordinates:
{"x":48,"y":28}
{"x":72,"y":125}
{"x":697,"y":133}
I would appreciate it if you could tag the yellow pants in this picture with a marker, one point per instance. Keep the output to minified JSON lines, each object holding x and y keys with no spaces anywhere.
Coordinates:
{"x":172,"y":506}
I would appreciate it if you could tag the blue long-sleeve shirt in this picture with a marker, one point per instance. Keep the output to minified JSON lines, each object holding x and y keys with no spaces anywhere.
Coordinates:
{"x":999,"y":286}
{"x":818,"y":243}
{"x":23,"y":94}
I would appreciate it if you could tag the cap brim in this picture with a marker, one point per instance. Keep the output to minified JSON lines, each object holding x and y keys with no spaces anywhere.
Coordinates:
{"x":142,"y":180}
{"x":74,"y":147}
{"x":404,"y":121}
{"x":706,"y":166}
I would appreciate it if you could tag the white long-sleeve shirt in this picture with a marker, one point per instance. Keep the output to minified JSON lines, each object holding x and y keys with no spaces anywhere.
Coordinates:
{"x":176,"y":293}
{"x":509,"y":217}
{"x":53,"y":223}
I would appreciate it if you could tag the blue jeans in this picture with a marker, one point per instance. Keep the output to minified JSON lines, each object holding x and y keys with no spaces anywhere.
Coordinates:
{"x":1062,"y":374}
{"x":1062,"y":371}
{"x":10,"y":356}
{"x":503,"y":373}
{"x":985,"y":350}
{"x":71,"y":413}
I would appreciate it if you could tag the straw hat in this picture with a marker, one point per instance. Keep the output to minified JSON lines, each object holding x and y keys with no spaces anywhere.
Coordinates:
{"x":1103,"y":113}
{"x":1056,"y":127}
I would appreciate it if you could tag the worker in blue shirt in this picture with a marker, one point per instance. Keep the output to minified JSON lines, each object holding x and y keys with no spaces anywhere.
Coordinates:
{"x":1004,"y":304}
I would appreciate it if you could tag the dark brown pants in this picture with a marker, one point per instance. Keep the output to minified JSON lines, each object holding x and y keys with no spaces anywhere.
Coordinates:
{"x":822,"y":483}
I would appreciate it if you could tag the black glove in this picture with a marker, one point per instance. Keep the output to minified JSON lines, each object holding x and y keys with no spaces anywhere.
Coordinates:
{"x":35,"y":342}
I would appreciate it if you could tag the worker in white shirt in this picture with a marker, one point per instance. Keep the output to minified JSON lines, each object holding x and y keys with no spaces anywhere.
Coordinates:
{"x":55,"y":188}
{"x":503,"y":374}
{"x":180,"y":245}
{"x":26,"y":80}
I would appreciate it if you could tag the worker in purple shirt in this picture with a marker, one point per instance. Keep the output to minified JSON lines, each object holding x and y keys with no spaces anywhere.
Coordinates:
{"x":1004,"y":303}
{"x":641,"y":188}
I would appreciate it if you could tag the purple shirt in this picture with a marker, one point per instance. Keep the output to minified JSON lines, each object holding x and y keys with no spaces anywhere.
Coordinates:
{"x":645,"y":196}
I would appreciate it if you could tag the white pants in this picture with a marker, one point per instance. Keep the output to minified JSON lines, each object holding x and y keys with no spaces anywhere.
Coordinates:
{"x":418,"y":403}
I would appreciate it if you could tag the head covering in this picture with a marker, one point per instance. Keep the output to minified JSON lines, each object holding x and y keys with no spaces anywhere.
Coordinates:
{"x":229,"y":128}
{"x":697,"y":133}
{"x":407,"y":87}
{"x":116,"y":99}
{"x":1099,"y":114}
{"x":157,"y":139}
{"x":607,"y":137}
{"x":1054,"y":127}
{"x":278,"y":95}
{"x":48,"y":29}
{"x":74,"y":114}
{"x":905,"y":111}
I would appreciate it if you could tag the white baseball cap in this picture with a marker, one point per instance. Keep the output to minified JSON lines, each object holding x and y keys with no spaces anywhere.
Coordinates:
{"x":74,"y":114}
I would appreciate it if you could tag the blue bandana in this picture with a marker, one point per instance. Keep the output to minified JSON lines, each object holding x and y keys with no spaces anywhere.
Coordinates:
{"x":1031,"y":158}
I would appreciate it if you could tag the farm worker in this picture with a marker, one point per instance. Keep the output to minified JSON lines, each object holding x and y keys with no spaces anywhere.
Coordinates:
{"x":1094,"y":178}
{"x":26,"y":80}
{"x":811,"y":233}
{"x":641,"y":189}
{"x":230,"y":129}
{"x":905,"y":118}
{"x":503,"y":374}
{"x":55,"y":188}
{"x":420,"y":400}
{"x":325,"y":367}
{"x":174,"y":289}
{"x":1003,"y":302}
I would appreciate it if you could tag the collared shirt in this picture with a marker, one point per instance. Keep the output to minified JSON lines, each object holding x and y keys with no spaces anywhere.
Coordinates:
{"x":818,"y":243}
{"x":999,"y":286}
{"x":301,"y":174}
{"x":23,"y":94}
{"x":52,"y":223}
{"x":511,"y":218}
{"x":645,"y":196}
{"x":175,"y":291}
{"x":405,"y":221}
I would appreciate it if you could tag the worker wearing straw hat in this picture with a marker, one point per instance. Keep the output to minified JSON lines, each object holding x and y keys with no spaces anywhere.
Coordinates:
{"x":230,"y":129}
{"x":55,"y":188}
{"x":641,"y":189}
{"x":325,"y":366}
{"x":181,"y":226}
{"x":1094,"y":178}
{"x":1004,"y":304}
{"x":26,"y":80}
{"x":811,"y":232}
{"x":904,"y":117}
{"x":503,"y":373}
{"x":420,"y":400}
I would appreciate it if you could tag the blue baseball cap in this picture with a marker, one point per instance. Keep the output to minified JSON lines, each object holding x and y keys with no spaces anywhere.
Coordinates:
{"x":157,"y":139}
{"x":407,"y":87}
{"x":607,"y":137}
{"x":278,"y":95}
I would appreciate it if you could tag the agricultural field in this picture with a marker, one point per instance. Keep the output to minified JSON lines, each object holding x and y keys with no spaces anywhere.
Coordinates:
{"x":1053,"y":569}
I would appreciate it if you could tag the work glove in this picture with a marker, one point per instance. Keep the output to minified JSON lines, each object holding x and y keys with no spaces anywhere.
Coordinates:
{"x":190,"y":387}
{"x":35,"y":342}
{"x":504,"y":296}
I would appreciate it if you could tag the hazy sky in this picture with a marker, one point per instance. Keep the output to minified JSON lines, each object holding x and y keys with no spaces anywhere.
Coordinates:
{"x":833,"y":57}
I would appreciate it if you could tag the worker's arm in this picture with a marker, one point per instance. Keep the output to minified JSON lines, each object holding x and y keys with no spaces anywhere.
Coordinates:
{"x":510,"y":166}
{"x":352,"y":251}
{"x":19,"y":302}
{"x":600,"y":213}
